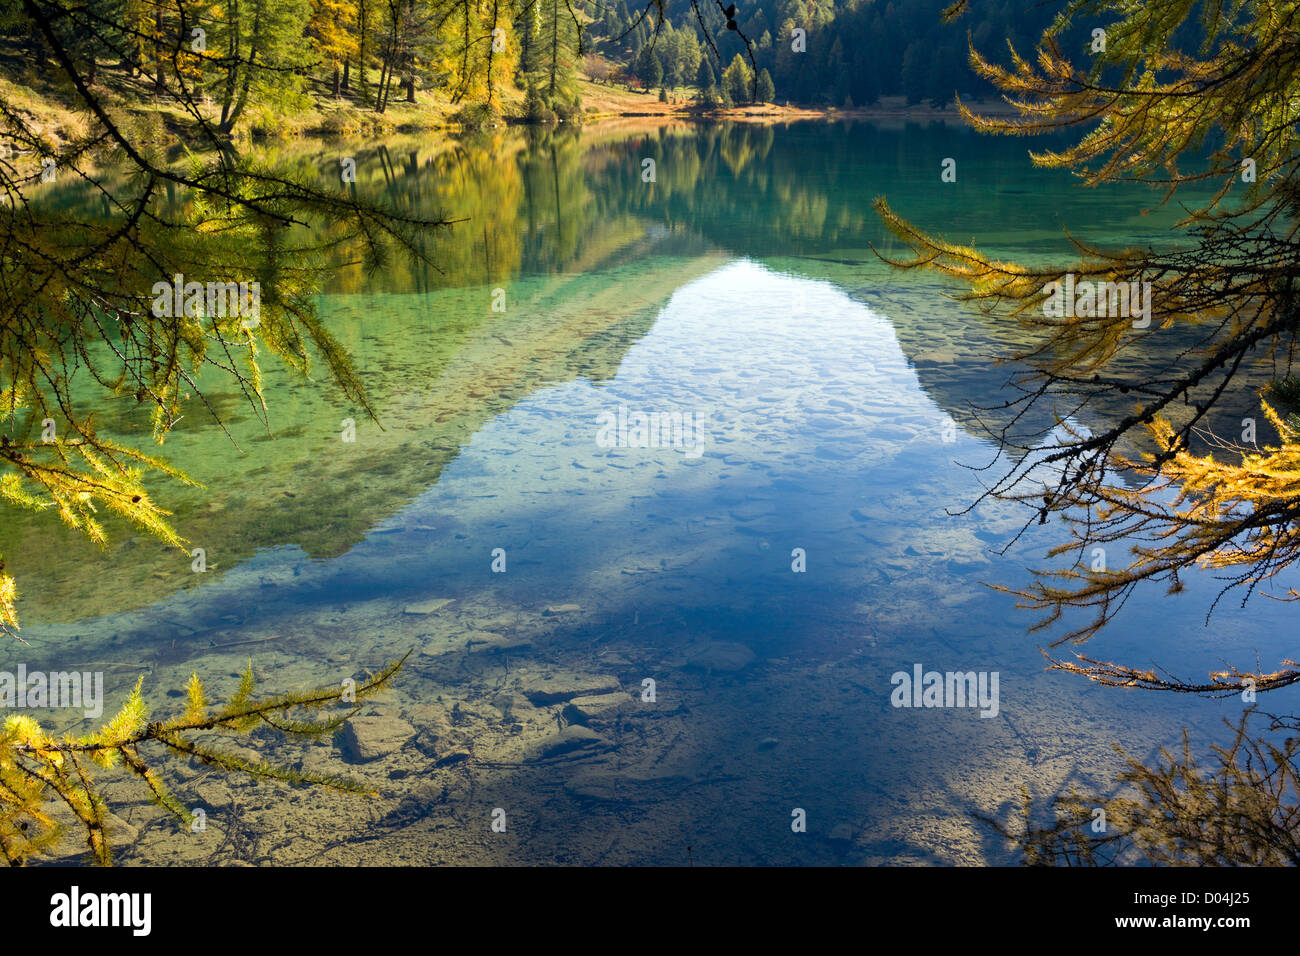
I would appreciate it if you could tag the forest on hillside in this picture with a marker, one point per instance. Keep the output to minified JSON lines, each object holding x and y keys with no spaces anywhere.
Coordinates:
{"x":823,"y":53}
{"x":279,"y":55}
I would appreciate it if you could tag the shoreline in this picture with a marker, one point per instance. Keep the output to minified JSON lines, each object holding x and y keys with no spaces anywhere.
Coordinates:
{"x":329,"y":117}
{"x":432,"y":120}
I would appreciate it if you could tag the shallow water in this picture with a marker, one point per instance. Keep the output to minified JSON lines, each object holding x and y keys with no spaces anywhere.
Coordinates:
{"x":830,"y":399}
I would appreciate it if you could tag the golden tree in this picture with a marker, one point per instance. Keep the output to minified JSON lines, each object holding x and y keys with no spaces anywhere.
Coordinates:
{"x":333,"y":28}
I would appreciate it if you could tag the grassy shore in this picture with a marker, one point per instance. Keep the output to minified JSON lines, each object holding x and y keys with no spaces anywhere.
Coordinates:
{"x":54,"y":109}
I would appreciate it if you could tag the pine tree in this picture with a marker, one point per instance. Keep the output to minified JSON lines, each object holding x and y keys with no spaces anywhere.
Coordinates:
{"x":647,"y":68}
{"x":655,"y":75}
{"x":332,"y":29}
{"x":475,"y":50}
{"x":737,"y":80}
{"x":559,"y":46}
{"x":915,"y":70}
{"x":705,"y":78}
{"x":261,"y":55}
{"x":686,"y":56}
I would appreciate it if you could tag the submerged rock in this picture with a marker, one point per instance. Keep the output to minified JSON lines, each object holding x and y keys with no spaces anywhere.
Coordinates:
{"x":567,"y":741}
{"x":493,"y":642}
{"x":416,"y":805}
{"x":582,"y":709}
{"x":369,"y":738}
{"x":843,"y":833}
{"x":554,"y":609}
{"x":427,"y":607}
{"x":719,"y":656}
{"x":553,"y":690}
{"x":627,"y":787}
{"x":119,"y":832}
{"x":510,"y":703}
{"x":213,"y":795}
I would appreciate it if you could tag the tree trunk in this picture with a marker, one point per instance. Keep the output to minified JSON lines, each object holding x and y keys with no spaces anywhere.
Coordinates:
{"x":232,"y":68}
{"x":347,"y":77}
{"x":37,"y":43}
{"x":159,"y":83}
{"x":555,"y":45}
{"x":361,"y":53}
{"x":381,"y":91}
{"x":337,"y":79}
{"x":408,"y":81}
{"x":254,"y":43}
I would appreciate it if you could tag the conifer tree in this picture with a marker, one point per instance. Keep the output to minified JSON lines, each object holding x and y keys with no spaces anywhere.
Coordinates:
{"x":333,"y":29}
{"x":647,"y":68}
{"x":705,"y":78}
{"x":737,"y":80}
{"x":559,"y":41}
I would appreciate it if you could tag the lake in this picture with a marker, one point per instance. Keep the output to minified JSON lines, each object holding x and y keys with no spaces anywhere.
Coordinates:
{"x":669,"y":480}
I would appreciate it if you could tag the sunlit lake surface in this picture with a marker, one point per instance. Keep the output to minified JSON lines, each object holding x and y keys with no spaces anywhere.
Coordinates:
{"x":484,"y":521}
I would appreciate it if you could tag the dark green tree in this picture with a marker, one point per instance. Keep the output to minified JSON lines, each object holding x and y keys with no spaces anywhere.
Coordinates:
{"x":705,"y":78}
{"x":647,"y":68}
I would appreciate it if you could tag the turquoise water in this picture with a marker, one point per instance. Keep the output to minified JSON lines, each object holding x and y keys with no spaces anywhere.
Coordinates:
{"x":770,"y":568}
